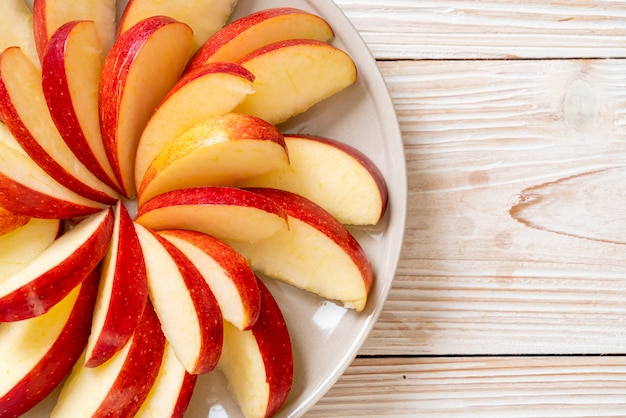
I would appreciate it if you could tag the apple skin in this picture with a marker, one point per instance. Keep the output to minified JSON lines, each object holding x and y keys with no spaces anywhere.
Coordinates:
{"x":219,"y":151}
{"x":315,"y":164}
{"x":270,"y":343}
{"x":49,"y":371}
{"x":125,"y":381}
{"x":228,"y":274}
{"x":58,"y":80}
{"x":10,"y":221}
{"x":122,"y":293}
{"x":21,"y":98}
{"x":224,"y":212}
{"x":292,"y":76}
{"x":33,"y":291}
{"x":210,"y":90}
{"x":258,"y":29}
{"x":143,"y":65}
{"x":344,"y":273}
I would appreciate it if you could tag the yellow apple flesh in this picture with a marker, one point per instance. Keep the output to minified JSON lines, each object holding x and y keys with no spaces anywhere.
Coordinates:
{"x":16,"y":21}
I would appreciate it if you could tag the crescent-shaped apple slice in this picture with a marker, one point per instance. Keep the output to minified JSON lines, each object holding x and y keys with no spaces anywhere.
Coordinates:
{"x":118,"y":387}
{"x":258,"y":363}
{"x":36,"y":288}
{"x":216,"y":152}
{"x":253,"y":31}
{"x":189,"y":314}
{"x":16,"y":21}
{"x":224,"y":212}
{"x":122,"y":293}
{"x":228,"y":274}
{"x":38,"y":353}
{"x":316,"y":253}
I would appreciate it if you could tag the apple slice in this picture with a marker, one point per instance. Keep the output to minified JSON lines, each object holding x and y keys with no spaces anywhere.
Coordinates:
{"x":22,"y":245}
{"x":211,"y":90}
{"x":25,"y":112}
{"x":291,"y":76}
{"x":36,"y":288}
{"x":26,"y":189}
{"x":10,"y":221}
{"x":228,"y":274}
{"x":38,"y":353}
{"x":122,"y":293}
{"x":205,"y":17}
{"x":49,"y":15}
{"x":316,"y":164}
{"x":316,"y":253}
{"x":217,"y":152}
{"x":142,"y":66}
{"x":258,"y":363}
{"x":16,"y":21}
{"x":118,"y":387}
{"x":224,"y":212}
{"x":71,"y":70}
{"x":189,"y":314}
{"x":172,"y":389}
{"x":253,"y":31}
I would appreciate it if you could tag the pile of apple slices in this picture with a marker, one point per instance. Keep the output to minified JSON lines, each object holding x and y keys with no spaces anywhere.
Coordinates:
{"x":145,"y":183}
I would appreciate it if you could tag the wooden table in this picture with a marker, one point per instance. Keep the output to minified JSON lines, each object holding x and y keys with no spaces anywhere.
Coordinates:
{"x":510,"y":297}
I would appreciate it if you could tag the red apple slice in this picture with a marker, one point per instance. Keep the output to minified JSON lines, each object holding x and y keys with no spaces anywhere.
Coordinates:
{"x":211,"y":90}
{"x":172,"y":389}
{"x":189,"y":314}
{"x":26,"y":189}
{"x":224,"y":212}
{"x":253,"y":31}
{"x":217,"y":152}
{"x":49,"y":15}
{"x":118,"y":387}
{"x":38,"y":353}
{"x":228,"y":274}
{"x":143,"y":65}
{"x":316,"y":253}
{"x":291,"y":76}
{"x":71,"y":71}
{"x":316,"y":164}
{"x":122,"y":293}
{"x":36,"y":288}
{"x":10,"y":221}
{"x":22,"y":245}
{"x":16,"y":21}
{"x":258,"y":363}
{"x":205,"y":17}
{"x":25,"y":112}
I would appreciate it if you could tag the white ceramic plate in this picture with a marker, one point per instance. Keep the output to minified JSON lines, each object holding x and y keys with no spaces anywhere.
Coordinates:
{"x":325,"y":336}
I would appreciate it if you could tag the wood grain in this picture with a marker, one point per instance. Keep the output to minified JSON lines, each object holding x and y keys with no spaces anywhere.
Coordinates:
{"x":476,"y":29}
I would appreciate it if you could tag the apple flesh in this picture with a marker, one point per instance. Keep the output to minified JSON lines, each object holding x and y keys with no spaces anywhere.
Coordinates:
{"x":22,"y":245}
{"x":228,"y":274}
{"x":205,"y":17}
{"x":213,"y":89}
{"x":38,"y":353}
{"x":49,"y":15}
{"x":71,"y":70}
{"x":292,"y":76}
{"x":224,"y":212}
{"x":122,"y":292}
{"x":251,"y":32}
{"x":335,"y":175}
{"x":142,"y":66}
{"x":172,"y":389}
{"x":217,"y":152}
{"x":16,"y":21}
{"x":186,"y":307}
{"x":27,"y":190}
{"x":36,"y":288}
{"x":316,"y":253}
{"x":118,"y":387}
{"x":25,"y":112}
{"x":258,"y":363}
